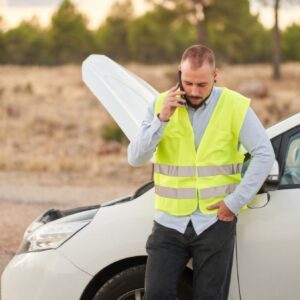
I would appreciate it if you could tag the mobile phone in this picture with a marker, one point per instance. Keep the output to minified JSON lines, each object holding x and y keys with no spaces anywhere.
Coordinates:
{"x":180,"y":85}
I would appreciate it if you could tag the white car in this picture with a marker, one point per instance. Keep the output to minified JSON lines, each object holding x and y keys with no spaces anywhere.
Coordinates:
{"x":99,"y":252}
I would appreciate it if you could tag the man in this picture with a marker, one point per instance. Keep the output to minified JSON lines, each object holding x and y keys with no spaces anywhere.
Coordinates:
{"x":196,"y":135}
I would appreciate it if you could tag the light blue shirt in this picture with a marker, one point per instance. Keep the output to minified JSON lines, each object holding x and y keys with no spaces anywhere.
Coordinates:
{"x":252,"y":136}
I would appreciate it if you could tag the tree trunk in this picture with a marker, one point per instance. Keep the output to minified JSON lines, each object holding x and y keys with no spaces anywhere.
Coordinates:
{"x":276,"y":46}
{"x":201,"y":33}
{"x":199,"y":11}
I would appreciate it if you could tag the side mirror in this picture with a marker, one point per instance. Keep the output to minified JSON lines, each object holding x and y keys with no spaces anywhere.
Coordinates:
{"x":272,"y":181}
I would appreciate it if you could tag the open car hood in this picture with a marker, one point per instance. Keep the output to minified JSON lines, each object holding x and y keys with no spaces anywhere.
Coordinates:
{"x":123,"y":94}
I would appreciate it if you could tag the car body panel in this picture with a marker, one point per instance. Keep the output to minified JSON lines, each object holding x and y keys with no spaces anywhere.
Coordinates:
{"x":268,"y":248}
{"x":283,"y":126}
{"x":45,"y":275}
{"x":117,"y":232}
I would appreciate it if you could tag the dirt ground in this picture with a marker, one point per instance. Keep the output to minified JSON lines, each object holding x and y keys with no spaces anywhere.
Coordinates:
{"x":52,"y":152}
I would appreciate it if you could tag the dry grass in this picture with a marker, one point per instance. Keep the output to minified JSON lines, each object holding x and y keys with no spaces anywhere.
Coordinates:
{"x":282,"y":100}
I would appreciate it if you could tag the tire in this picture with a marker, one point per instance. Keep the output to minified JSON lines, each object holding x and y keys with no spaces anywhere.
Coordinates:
{"x":129,"y":285}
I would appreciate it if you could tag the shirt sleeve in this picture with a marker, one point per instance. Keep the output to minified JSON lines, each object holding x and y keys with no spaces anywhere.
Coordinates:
{"x":255,"y":140}
{"x":141,"y":148}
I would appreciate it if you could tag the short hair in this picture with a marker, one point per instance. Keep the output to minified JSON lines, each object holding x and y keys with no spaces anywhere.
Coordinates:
{"x":198,"y":55}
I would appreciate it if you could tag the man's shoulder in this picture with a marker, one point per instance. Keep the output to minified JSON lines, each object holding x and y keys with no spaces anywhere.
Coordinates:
{"x":235,"y":98}
{"x":159,"y":100}
{"x":234,"y":94}
{"x":152,"y":105}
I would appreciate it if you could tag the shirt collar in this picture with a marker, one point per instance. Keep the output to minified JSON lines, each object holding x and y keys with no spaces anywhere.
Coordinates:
{"x":209,"y":98}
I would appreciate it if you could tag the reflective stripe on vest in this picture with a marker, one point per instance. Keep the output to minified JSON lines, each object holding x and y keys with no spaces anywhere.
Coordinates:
{"x":188,"y":193}
{"x":180,"y":193}
{"x":217,"y":191}
{"x":203,"y":171}
{"x":178,"y":171}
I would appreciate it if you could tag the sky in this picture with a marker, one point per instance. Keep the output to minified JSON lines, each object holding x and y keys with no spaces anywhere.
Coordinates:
{"x":13,"y":11}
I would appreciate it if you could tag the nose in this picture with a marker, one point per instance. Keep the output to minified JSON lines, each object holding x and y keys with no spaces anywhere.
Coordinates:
{"x":195,"y":90}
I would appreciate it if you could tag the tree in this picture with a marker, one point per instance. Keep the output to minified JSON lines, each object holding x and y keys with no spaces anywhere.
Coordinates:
{"x":2,"y":43}
{"x":290,"y":43}
{"x":112,"y":36}
{"x":276,"y":4}
{"x":69,"y":39}
{"x":235,"y":34}
{"x":276,"y":53}
{"x":159,"y":36}
{"x":25,"y":44}
{"x":192,"y":10}
{"x":226,"y":26}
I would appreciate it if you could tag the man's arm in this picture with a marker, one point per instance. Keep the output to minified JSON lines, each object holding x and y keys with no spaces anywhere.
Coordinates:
{"x":142,"y":147}
{"x":255,"y":140}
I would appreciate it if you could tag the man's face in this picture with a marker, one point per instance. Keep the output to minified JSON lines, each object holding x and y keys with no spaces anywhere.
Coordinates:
{"x":198,"y":82}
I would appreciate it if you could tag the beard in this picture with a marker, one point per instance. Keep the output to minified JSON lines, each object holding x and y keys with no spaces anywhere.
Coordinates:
{"x":189,"y":100}
{"x":201,"y":99}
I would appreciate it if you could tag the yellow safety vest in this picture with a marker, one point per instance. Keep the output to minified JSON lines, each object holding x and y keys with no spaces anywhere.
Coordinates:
{"x":186,"y":178}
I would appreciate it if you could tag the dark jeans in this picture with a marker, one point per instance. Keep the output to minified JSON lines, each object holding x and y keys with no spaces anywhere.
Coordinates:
{"x":169,"y":251}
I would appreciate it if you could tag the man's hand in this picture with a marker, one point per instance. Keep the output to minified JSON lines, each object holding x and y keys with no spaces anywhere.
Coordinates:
{"x":171,"y":102}
{"x":224,"y":213}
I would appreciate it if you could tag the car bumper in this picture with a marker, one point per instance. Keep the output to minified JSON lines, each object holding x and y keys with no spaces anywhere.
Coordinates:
{"x":43,"y":275}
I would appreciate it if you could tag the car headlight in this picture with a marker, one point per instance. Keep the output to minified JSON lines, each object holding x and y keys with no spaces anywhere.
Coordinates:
{"x":52,"y":236}
{"x":40,"y":237}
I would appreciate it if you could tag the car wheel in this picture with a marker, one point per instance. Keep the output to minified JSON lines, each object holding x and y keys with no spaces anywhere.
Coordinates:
{"x":129,"y":285}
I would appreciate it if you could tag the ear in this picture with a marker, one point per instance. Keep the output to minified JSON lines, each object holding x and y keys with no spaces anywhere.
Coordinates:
{"x":216,"y":73}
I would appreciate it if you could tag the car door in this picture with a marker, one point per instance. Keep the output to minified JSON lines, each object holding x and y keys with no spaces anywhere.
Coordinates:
{"x":268,"y":239}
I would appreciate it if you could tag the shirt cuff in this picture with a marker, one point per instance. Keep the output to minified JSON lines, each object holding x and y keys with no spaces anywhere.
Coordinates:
{"x":233,"y":204}
{"x":158,"y":124}
{"x":161,"y":120}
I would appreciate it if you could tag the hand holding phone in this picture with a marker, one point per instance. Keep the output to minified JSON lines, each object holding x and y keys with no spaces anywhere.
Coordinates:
{"x":173,"y":100}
